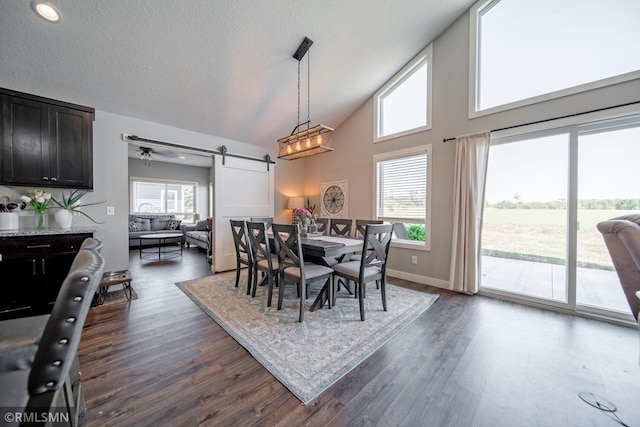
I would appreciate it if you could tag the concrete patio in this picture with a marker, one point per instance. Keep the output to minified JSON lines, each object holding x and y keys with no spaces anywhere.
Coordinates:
{"x":596,"y":287}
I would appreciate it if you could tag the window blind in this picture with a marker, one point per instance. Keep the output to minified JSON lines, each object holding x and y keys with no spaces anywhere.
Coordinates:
{"x":402,"y":188}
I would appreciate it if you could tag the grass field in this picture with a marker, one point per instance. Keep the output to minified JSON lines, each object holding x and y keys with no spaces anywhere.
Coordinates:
{"x":542,"y":233}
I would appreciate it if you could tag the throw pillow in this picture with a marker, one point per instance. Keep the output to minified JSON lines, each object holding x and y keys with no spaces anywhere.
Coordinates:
{"x":173,"y":224}
{"x":133,"y":226}
{"x":201,"y":226}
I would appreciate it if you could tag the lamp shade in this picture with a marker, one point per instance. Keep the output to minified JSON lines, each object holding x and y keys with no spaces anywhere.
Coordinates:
{"x":295,"y":203}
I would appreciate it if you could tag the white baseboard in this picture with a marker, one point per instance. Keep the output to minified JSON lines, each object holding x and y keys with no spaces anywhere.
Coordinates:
{"x":424,"y":280}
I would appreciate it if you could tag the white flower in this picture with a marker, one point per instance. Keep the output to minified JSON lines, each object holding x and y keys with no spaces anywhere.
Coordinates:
{"x":47,"y":196}
{"x":25,"y":199}
{"x":40,"y":199}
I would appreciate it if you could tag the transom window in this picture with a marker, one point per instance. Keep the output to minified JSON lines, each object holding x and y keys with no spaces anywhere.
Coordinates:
{"x":164,"y":197}
{"x":403,"y":193}
{"x":524,"y":51}
{"x":403,"y":105}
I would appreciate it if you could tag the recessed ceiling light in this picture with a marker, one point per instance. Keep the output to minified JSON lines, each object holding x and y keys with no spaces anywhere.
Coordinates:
{"x":46,"y":11}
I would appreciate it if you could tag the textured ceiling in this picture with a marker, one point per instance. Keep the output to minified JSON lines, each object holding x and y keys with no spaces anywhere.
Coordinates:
{"x":220,"y":67}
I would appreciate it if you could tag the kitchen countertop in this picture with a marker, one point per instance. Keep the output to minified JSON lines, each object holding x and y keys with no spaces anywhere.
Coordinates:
{"x":26,"y":232}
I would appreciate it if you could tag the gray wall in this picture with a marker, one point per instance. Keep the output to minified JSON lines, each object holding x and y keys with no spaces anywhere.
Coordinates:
{"x":172,"y":171}
{"x":354,"y":147}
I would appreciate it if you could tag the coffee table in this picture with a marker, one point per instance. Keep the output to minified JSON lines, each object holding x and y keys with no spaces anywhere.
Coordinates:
{"x":165,"y":248}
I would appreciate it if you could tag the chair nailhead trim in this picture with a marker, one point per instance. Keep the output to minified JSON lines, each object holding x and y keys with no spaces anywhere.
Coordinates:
{"x":63,"y":341}
{"x":71,"y":319}
{"x":84,"y":279}
{"x":57,"y":363}
{"x":76,"y":299}
{"x":50,"y":384}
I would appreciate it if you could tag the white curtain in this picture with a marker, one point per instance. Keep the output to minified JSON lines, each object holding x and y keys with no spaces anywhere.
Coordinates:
{"x":472,"y":152}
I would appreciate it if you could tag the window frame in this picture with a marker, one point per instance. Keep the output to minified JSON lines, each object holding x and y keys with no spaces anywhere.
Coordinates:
{"x":475,"y":15}
{"x":424,"y":57}
{"x":165,"y":182}
{"x":398,"y":154}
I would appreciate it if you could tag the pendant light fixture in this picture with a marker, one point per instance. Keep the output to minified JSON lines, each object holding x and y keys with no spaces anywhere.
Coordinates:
{"x":306,"y":139}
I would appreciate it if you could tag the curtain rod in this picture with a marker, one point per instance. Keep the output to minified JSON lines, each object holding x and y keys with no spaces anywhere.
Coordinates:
{"x":223,"y":150}
{"x":555,"y":118}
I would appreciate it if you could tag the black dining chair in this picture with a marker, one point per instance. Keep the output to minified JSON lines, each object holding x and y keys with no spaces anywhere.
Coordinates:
{"x":361,"y":226}
{"x":340,"y":227}
{"x":372,"y":265}
{"x":293,"y":268}
{"x":263,"y":260}
{"x":243,"y":251}
{"x":268,"y":220}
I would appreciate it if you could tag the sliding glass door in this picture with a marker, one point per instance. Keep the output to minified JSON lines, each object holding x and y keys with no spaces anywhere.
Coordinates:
{"x":607,"y":187}
{"x":545,"y":193}
{"x":524,"y":231}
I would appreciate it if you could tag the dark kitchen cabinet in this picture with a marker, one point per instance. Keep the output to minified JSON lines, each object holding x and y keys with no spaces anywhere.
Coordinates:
{"x":32,"y":269}
{"x":45,"y":143}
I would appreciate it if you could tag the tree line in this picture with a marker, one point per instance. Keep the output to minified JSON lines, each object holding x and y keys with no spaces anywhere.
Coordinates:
{"x":599,"y":204}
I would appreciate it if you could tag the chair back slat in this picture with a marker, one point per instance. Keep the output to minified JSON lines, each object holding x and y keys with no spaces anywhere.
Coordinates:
{"x":260,"y":248}
{"x":376,"y":246}
{"x":361,"y":225}
{"x":268,"y":220}
{"x":323,"y":225}
{"x":239,"y":232}
{"x":288,"y":246}
{"x":340,"y":227}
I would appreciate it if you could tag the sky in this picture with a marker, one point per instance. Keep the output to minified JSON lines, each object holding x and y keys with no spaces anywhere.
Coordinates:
{"x":537,"y":169}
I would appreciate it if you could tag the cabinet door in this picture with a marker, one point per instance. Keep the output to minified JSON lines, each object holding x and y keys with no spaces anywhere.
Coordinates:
{"x":71,"y":147}
{"x":16,"y":288}
{"x":25,"y":150}
{"x":56,"y":269}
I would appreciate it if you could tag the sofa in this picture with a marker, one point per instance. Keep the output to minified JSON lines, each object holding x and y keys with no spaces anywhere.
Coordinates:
{"x":197,"y":234}
{"x":140,"y":224}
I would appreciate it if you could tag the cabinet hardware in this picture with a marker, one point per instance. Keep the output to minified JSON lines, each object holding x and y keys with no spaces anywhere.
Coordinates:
{"x":54,"y":179}
{"x":33,"y":266}
{"x":38,"y":246}
{"x":43,"y":266}
{"x":46,"y":178}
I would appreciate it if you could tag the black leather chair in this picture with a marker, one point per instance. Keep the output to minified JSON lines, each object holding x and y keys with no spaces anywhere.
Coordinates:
{"x":42,"y":374}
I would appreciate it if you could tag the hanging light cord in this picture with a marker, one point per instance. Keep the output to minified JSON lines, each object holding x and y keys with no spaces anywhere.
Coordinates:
{"x":298,"y":93}
{"x":308,"y":89}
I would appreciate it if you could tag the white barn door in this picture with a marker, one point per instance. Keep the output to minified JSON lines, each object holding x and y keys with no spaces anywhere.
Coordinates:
{"x":243,"y":189}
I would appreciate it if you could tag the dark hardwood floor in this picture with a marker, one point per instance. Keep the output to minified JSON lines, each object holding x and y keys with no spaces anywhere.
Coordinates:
{"x":467,"y":361}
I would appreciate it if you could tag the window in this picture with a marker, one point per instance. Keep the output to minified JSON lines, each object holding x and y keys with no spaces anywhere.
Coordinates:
{"x":403,"y":105}
{"x":166,"y":197}
{"x":403,"y":193}
{"x":523,"y":51}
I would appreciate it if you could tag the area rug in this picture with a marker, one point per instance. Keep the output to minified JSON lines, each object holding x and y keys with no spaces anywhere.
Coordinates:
{"x":306,"y":357}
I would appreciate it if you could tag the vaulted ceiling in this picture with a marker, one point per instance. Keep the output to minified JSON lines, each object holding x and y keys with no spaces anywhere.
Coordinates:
{"x":219,"y":67}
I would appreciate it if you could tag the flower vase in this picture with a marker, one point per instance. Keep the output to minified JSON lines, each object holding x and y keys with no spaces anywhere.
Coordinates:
{"x":42,"y":220}
{"x":64,"y":218}
{"x":313,"y":228}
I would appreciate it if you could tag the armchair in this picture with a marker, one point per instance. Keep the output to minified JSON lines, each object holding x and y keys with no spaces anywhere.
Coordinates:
{"x":622,"y":237}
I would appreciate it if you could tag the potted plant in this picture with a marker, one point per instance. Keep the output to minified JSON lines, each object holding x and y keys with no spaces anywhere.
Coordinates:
{"x":69,"y":205}
{"x":39,"y":200}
